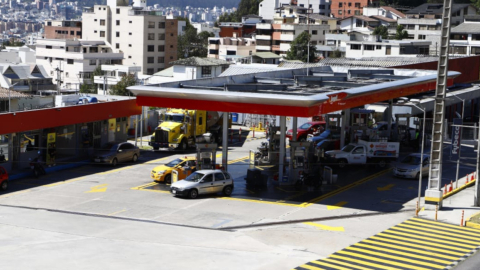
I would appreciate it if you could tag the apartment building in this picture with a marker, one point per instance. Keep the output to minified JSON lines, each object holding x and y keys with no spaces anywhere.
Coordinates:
{"x":343,"y":8}
{"x":73,"y":61}
{"x":63,"y":29}
{"x":387,"y":48}
{"x":146,"y":38}
{"x":267,"y":8}
{"x":435,"y":11}
{"x":465,"y":38}
{"x":230,"y":48}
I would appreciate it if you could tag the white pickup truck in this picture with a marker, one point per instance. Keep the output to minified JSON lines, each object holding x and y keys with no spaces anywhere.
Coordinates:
{"x":363,"y":152}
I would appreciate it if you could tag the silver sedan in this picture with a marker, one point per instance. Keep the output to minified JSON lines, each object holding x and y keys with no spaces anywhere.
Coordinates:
{"x":112,"y":153}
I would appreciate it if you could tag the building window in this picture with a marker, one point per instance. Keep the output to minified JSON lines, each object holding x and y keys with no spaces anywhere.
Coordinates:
{"x":118,"y":22}
{"x":378,"y":47}
{"x":357,"y":12}
{"x":129,"y":57}
{"x":422,"y":36}
{"x":129,"y":21}
{"x":321,"y":7}
{"x":348,"y":11}
{"x":171,"y":34}
{"x":314,"y":32}
{"x":102,"y":33}
{"x":340,"y":12}
{"x":102,"y":22}
{"x":150,"y":60}
{"x":358,"y":23}
{"x":117,"y":34}
{"x":349,"y":4}
{"x":129,"y":45}
{"x":150,"y":71}
{"x":422,"y":27}
{"x":369,"y":47}
{"x":206,"y":72}
{"x":93,"y":62}
{"x":94,"y":31}
{"x":151,"y":36}
{"x":424,"y":50}
{"x":171,"y":46}
{"x":151,"y":24}
{"x":130,"y":34}
{"x":70,"y":61}
{"x":340,"y":4}
{"x":355,"y":47}
{"x":357,"y":5}
{"x":161,"y":59}
{"x":150,"y":48}
{"x":433,"y":27}
{"x":161,"y":48}
{"x":118,"y":11}
{"x":171,"y":23}
{"x":161,"y":25}
{"x":48,"y":47}
{"x":161,"y":36}
{"x":76,"y":49}
{"x":117,"y":45}
{"x":171,"y":57}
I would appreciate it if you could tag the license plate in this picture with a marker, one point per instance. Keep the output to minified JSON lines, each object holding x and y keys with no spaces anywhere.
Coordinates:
{"x":97,"y":160}
{"x":174,"y":191}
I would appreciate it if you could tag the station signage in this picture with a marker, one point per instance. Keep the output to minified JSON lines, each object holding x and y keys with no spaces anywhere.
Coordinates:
{"x":456,"y":138}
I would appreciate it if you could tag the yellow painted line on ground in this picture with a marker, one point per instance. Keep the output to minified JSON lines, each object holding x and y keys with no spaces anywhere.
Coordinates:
{"x":468,"y":224}
{"x":364,"y":262}
{"x":238,"y":160}
{"x":344,"y":263}
{"x":375,"y":259}
{"x":330,"y":265}
{"x":477,"y":243}
{"x":385,"y":188}
{"x":337,"y":205}
{"x":118,"y":212}
{"x":144,"y":186}
{"x":340,"y":190}
{"x":402,"y":253}
{"x":325,"y":227}
{"x":306,"y":266}
{"x":429,"y":238}
{"x":420,"y":250}
{"x":388,"y":236}
{"x":398,"y":258}
{"x":432,"y":227}
{"x":99,"y":188}
{"x":444,"y":224}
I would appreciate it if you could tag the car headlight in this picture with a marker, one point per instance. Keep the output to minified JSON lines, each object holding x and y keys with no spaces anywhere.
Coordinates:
{"x":161,"y":172}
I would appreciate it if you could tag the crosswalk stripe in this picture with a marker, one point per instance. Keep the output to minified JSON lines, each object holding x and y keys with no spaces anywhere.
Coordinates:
{"x":476,"y":243}
{"x":310,"y":267}
{"x":455,"y":234}
{"x":330,"y":265}
{"x":428,"y":238}
{"x":375,"y":259}
{"x":411,"y":249}
{"x":423,"y":242}
{"x":346,"y":264}
{"x":385,"y":267}
{"x":476,"y":234}
{"x":446,"y":225}
{"x":404,"y":253}
{"x":398,"y":258}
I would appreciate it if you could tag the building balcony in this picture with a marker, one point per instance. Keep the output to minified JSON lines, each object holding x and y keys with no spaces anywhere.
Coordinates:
{"x":263,"y":37}
{"x":275,"y":47}
{"x":263,"y":48}
{"x":287,"y":37}
{"x":264,"y":26}
{"x":288,"y":27}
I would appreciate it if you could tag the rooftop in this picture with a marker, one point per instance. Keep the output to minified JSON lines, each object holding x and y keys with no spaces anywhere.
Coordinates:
{"x":430,"y":8}
{"x":199,"y":62}
{"x":466,"y":28}
{"x":361,"y":17}
{"x":394,"y":11}
{"x":5,"y":93}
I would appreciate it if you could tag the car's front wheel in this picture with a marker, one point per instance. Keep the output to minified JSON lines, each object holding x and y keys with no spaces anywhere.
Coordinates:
{"x":4,"y":185}
{"x":114,"y":162}
{"x":227,"y":191}
{"x":193,"y":194}
{"x":134,"y":158}
{"x":168,"y":179}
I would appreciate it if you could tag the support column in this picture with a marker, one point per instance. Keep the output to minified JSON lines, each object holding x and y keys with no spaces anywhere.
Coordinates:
{"x":343,"y":124}
{"x":225,"y":141}
{"x":141,"y":129}
{"x":281,"y":156}
{"x":136,"y":129}
{"x":294,"y":138}
{"x":389,"y":121}
{"x":477,"y":186}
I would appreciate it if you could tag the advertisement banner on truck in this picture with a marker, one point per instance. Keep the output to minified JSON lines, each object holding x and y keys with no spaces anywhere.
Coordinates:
{"x":456,"y":138}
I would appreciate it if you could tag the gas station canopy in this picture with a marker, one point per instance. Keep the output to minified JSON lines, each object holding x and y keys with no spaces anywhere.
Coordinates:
{"x":290,"y":92}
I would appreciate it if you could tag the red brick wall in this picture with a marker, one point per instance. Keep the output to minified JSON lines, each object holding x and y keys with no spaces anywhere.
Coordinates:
{"x":171,"y":38}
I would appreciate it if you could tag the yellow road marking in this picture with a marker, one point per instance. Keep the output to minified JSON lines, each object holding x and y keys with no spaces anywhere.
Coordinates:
{"x":413,"y":250}
{"x":436,"y":236}
{"x":364,"y":262}
{"x":455,"y":232}
{"x":99,"y":188}
{"x":429,"y":238}
{"x":118,"y":212}
{"x":403,"y":253}
{"x":330,"y":265}
{"x":337,"y":205}
{"x":405,"y":266}
{"x":325,"y":227}
{"x":346,"y":264}
{"x":306,"y":266}
{"x":387,"y":187}
{"x":444,"y":224}
{"x":238,"y":160}
{"x":421,"y":242}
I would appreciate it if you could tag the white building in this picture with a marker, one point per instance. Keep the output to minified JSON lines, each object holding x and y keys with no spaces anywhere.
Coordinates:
{"x":146,"y":38}
{"x":386,"y":48}
{"x":112,"y":75}
{"x":75,"y":59}
{"x":384,"y":11}
{"x":230,"y":49}
{"x":23,"y":55}
{"x":28,"y":78}
{"x":267,"y":8}
{"x":206,"y":26}
{"x":465,"y":38}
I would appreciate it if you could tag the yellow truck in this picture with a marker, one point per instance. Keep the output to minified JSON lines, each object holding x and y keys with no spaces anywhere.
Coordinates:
{"x":181,"y":129}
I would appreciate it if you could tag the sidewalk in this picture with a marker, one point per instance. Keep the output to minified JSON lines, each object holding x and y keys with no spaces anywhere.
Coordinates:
{"x":458,"y":203}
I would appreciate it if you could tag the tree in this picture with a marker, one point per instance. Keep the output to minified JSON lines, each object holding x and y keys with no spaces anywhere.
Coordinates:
{"x":299,"y":50}
{"x":87,"y":88}
{"x":381,"y":31}
{"x":192,"y":44}
{"x":401,"y":34}
{"x":120,"y":89}
{"x":245,"y":7}
{"x":335,"y":54}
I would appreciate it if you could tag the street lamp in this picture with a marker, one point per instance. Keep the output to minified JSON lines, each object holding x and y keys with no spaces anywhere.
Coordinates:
{"x":421,"y":151}
{"x":9,"y":98}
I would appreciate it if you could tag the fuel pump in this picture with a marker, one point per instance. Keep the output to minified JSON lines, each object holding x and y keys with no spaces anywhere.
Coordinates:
{"x":206,"y":156}
{"x":268,"y":152}
{"x":299,"y":159}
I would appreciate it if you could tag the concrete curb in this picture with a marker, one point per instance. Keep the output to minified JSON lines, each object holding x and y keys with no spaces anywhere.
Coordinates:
{"x":455,"y":191}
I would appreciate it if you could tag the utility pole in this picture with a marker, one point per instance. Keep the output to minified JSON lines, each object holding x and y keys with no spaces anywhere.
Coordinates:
{"x":308,"y":29}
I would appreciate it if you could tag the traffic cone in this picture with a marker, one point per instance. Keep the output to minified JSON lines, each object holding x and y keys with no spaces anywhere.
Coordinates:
{"x":466,"y":179}
{"x":445,"y":190}
{"x":451,"y":186}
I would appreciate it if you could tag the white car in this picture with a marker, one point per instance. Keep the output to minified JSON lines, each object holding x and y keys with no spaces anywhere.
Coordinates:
{"x":409,"y":167}
{"x":203,"y":182}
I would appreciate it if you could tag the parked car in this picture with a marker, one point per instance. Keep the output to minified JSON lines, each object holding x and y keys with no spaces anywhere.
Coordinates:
{"x":114,"y":152}
{"x":3,"y":179}
{"x":184,"y":167}
{"x":305,"y":129}
{"x":327,"y":134}
{"x":409,"y":167}
{"x":203,"y":182}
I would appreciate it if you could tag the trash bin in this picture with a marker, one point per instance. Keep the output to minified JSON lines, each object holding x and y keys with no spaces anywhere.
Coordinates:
{"x":234,"y":117}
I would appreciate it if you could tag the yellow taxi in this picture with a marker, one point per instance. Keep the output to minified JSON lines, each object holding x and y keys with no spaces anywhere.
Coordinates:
{"x":184,"y":166}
